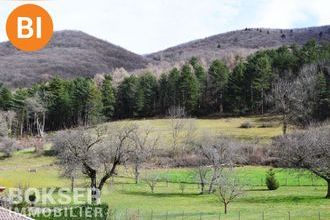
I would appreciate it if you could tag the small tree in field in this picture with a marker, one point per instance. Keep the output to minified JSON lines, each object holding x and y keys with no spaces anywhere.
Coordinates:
{"x":229,"y":188}
{"x":151,"y":180}
{"x":271,"y":181}
{"x":218,"y":153}
{"x":182,"y":187}
{"x":144,"y":142}
{"x":201,"y":176}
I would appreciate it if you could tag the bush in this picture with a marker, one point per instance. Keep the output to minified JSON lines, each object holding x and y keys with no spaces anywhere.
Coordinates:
{"x":266,"y":125}
{"x":7,"y":146}
{"x":246,"y":124}
{"x":32,"y":198}
{"x":271,"y":181}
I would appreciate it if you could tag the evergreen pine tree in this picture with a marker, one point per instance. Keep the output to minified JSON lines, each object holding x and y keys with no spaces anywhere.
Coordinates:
{"x":200,"y":74}
{"x":5,"y":98}
{"x":163,"y":94}
{"x":148,"y":86}
{"x":218,"y":77}
{"x":129,"y":98}
{"x":188,"y":89}
{"x":108,"y":97}
{"x":235,"y":95}
{"x":322,"y":105}
{"x":263,"y":77}
{"x":173,"y":87}
{"x":271,"y":181}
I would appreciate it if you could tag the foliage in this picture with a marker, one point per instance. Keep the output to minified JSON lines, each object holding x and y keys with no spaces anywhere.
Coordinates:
{"x":218,"y":77}
{"x":244,"y":88}
{"x":271,"y":181}
{"x":108,"y":97}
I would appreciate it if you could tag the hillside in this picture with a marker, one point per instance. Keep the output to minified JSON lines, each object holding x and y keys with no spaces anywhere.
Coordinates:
{"x":241,"y":42}
{"x":69,"y":54}
{"x":73,"y":53}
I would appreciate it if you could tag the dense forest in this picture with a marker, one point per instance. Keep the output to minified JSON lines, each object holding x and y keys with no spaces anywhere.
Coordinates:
{"x":201,"y":91}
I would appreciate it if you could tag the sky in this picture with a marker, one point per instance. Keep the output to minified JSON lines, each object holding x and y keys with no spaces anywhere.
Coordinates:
{"x":145,"y":26}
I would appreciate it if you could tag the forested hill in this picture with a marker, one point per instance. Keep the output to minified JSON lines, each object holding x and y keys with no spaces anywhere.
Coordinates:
{"x":241,"y":42}
{"x":69,"y":54}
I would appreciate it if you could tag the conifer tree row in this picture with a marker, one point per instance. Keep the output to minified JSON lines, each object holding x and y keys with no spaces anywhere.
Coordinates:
{"x":200,"y":90}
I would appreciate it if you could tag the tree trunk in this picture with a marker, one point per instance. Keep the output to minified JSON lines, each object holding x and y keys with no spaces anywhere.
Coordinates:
{"x":137,"y":173}
{"x":72,"y":183}
{"x":262,"y":101}
{"x":221,"y":103}
{"x":214,"y":177}
{"x":225,"y":207}
{"x":202,"y":187}
{"x":93,"y":189}
{"x":285,"y":124}
{"x":328,"y":193}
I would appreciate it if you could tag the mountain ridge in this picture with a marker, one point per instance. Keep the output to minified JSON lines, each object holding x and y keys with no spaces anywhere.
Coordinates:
{"x":69,"y":54}
{"x":74,"y":53}
{"x":240,"y":42}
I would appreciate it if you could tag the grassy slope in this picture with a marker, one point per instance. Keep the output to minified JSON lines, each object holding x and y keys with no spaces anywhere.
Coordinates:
{"x":126,"y":195}
{"x":227,"y":126}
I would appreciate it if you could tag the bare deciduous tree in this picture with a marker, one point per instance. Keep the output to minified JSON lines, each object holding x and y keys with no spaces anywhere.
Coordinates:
{"x":201,"y":172}
{"x":219,"y":152}
{"x":7,"y":144}
{"x":7,"y":120}
{"x":151,"y":179}
{"x":97,"y":152}
{"x":292,"y":98}
{"x":36,"y":114}
{"x":70,"y":170}
{"x":3,"y":125}
{"x":145,"y":142}
{"x":309,"y":149}
{"x":228,"y":187}
{"x":183,"y":130}
{"x":182,"y":187}
{"x":176,"y":115}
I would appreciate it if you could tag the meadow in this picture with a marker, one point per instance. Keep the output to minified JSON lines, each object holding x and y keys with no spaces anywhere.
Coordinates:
{"x":300,"y":196}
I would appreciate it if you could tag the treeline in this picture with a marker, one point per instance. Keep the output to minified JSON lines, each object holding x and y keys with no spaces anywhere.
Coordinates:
{"x":201,"y":91}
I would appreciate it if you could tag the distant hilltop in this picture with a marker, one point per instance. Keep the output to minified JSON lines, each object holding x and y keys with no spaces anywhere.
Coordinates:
{"x":74,"y":53}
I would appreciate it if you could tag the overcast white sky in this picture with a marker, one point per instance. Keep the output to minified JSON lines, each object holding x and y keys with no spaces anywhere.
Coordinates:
{"x":145,"y":26}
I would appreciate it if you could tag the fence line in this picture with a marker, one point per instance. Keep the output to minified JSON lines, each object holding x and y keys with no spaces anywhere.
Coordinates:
{"x":131,"y":214}
{"x":297,"y":181}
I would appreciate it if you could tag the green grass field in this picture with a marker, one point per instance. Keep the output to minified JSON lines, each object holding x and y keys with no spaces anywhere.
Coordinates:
{"x":300,"y":195}
{"x":225,"y":126}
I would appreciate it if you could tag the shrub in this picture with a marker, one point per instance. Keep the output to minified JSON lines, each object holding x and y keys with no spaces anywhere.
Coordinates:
{"x":246,"y":124}
{"x":7,"y":146}
{"x":271,"y":181}
{"x":151,"y":180}
{"x":266,"y":125}
{"x":32,"y":198}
